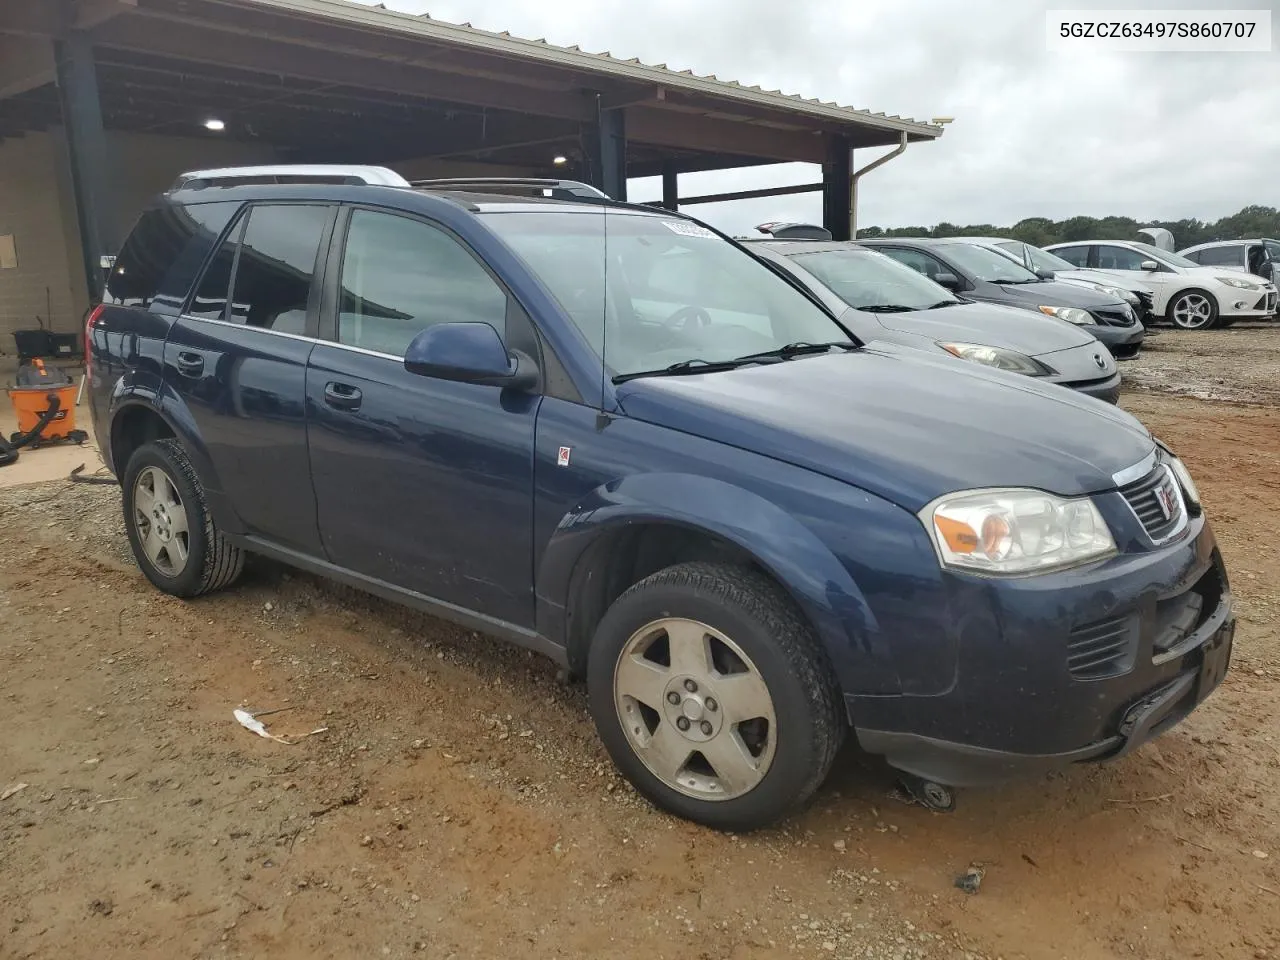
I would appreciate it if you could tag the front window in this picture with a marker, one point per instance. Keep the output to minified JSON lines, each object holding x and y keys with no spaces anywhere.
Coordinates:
{"x":1164,"y":256}
{"x":1044,"y":260}
{"x":868,"y":281}
{"x":987,"y":264}
{"x":651,"y":291}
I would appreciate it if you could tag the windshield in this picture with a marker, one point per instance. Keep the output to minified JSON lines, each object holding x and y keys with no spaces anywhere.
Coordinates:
{"x":1164,"y":256}
{"x":987,"y":264}
{"x":672,"y":292}
{"x":863,"y":279}
{"x":1040,"y":259}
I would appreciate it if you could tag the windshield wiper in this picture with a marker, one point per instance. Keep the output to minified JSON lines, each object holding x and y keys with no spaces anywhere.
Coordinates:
{"x":886,"y":308}
{"x":797,"y":349}
{"x":943,"y":303}
{"x":1017,"y":283}
{"x":692,"y":365}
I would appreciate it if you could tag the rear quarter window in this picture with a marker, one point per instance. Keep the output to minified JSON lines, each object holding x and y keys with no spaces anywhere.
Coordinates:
{"x":163,"y":254}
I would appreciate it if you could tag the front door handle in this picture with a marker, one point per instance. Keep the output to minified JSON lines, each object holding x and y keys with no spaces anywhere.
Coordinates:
{"x":190,"y":364}
{"x":342,"y":396}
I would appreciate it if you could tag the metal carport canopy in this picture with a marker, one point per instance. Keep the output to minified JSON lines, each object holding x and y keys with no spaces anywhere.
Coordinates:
{"x":162,"y":61}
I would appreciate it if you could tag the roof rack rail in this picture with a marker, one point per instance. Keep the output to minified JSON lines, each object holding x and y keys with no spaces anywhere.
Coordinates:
{"x":290,"y":173}
{"x":558,"y":189}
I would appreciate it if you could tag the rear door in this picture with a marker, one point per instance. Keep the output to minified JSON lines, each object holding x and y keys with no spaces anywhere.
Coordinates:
{"x":421,"y":483}
{"x":237,"y":356}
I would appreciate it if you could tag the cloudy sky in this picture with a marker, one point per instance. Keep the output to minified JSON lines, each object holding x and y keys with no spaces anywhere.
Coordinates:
{"x":1037,"y":133}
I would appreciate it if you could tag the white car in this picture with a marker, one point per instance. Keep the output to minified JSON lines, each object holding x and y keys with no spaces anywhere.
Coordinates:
{"x":1258,"y":257}
{"x":1117,"y":283}
{"x":1188,"y":295}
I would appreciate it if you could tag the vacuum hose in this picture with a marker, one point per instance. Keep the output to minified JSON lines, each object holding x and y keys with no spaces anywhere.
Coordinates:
{"x":9,"y":448}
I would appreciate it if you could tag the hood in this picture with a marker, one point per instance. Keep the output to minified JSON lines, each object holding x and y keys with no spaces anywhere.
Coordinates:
{"x":991,"y":324}
{"x":901,"y":424}
{"x":1056,"y":293}
{"x":1211,"y":274}
{"x":1124,"y":279}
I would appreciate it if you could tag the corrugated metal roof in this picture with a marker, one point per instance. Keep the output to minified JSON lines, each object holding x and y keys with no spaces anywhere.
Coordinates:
{"x":573,"y":57}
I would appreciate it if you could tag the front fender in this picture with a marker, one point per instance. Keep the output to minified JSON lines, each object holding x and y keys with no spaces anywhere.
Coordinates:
{"x":781,"y":544}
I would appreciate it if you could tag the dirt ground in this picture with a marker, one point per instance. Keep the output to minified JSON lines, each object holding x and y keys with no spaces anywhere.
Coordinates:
{"x":458,"y":804}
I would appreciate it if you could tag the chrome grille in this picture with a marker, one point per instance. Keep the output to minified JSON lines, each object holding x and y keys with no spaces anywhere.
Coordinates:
{"x":1157,"y":502}
{"x":1101,"y":649}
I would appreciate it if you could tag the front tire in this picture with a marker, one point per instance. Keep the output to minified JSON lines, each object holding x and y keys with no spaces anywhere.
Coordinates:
{"x":713,"y":696}
{"x":1193,"y":309}
{"x":175,"y":541}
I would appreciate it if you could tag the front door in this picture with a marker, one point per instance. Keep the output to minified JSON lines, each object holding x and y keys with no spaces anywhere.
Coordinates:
{"x":238,"y":356}
{"x":422,"y":483}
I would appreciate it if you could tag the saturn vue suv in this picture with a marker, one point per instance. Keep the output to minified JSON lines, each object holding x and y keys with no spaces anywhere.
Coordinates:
{"x":612,"y":435}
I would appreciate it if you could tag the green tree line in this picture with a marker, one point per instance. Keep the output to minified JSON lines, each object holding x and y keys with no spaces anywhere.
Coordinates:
{"x":1254,"y":221}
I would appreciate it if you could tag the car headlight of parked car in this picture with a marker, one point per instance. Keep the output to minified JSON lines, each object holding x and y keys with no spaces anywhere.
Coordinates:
{"x":1016,"y":532}
{"x":1128,"y":296}
{"x":1182,"y":475}
{"x":1238,"y":283}
{"x":997,"y":357}
{"x":1069,"y":314}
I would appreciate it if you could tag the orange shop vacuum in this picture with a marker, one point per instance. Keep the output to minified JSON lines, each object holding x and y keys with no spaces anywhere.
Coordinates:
{"x":44,"y":403}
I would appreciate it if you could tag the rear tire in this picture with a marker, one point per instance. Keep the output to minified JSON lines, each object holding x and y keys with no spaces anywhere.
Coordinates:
{"x":1193,"y":309}
{"x":175,"y":541}
{"x":745,"y":702}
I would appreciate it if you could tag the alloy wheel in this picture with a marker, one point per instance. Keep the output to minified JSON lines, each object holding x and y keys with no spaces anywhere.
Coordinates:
{"x":161,"y":521}
{"x":695,"y":709}
{"x":1191,"y":311}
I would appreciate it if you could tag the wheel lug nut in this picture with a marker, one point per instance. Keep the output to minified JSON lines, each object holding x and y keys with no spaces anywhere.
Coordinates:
{"x":711,"y":705}
{"x":673,"y":698}
{"x":691,"y":686}
{"x":706,"y":727}
{"x":682,"y":723}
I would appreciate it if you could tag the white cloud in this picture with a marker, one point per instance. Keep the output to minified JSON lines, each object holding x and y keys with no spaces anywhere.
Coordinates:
{"x":1037,"y":133}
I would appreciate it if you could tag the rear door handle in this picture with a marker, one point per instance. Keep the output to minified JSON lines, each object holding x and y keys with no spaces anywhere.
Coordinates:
{"x":343,"y":396}
{"x":190,"y":364}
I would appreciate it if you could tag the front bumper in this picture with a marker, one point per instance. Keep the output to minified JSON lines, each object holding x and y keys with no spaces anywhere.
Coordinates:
{"x":1027,"y":696}
{"x":1253,"y":305}
{"x":1107,"y":389}
{"x":1123,"y":342}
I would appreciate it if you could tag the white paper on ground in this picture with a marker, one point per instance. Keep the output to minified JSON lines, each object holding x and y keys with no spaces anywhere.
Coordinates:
{"x":253,"y":724}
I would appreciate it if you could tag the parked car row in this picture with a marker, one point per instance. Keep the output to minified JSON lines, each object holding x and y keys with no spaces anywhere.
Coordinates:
{"x":1187,"y":294}
{"x":671,"y":463}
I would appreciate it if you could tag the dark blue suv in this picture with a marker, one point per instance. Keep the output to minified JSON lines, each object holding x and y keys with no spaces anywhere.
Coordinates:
{"x":612,"y":435}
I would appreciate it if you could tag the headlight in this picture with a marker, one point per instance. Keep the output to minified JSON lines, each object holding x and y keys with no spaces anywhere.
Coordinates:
{"x":1069,"y":314}
{"x":1182,"y":474}
{"x":1012,"y":532}
{"x":1238,"y":283}
{"x":997,"y":357}
{"x":1128,"y":296}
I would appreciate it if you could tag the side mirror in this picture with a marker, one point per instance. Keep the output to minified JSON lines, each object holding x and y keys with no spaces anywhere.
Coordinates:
{"x":948,"y":280}
{"x":1149,"y":265}
{"x":469,"y":353}
{"x":1045,"y":274}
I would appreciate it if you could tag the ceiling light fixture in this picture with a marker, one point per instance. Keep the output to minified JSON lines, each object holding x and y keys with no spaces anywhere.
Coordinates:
{"x":214,"y":124}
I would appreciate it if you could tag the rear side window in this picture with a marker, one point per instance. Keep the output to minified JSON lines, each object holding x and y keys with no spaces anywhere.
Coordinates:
{"x":400,"y":276}
{"x":269,"y":260}
{"x":163,"y":253}
{"x":1222,"y":256}
{"x":276,"y":266}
